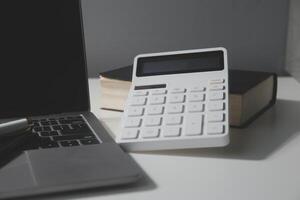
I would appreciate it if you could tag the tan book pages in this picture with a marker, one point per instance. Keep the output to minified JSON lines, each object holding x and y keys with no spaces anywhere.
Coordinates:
{"x":113,"y":93}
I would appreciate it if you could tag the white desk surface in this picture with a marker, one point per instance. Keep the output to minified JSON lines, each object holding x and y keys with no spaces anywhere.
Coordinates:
{"x":262,"y":162}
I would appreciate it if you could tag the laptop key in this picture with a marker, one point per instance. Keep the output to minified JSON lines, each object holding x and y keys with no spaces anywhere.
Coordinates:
{"x":83,"y":125}
{"x":77,"y":121}
{"x":78,"y":131}
{"x":53,"y":123}
{"x":49,"y":145}
{"x":53,"y":133}
{"x":45,"y":123}
{"x":65,"y":127}
{"x":80,"y":126}
{"x":36,"y":124}
{"x":47,"y":133}
{"x":74,"y":117}
{"x":69,"y":143}
{"x":57,"y":127}
{"x":73,"y":137}
{"x":46,"y":128}
{"x":75,"y":126}
{"x":64,"y":121}
{"x":77,"y":117}
{"x":36,"y":129}
{"x":89,"y":141}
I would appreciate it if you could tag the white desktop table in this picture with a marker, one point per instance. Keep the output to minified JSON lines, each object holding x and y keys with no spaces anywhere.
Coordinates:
{"x":262,"y":161}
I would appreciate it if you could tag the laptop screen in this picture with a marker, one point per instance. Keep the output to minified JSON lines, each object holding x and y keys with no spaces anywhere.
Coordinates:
{"x":42,"y":58}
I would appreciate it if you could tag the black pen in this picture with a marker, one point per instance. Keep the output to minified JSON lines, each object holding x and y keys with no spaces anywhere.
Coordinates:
{"x":14,"y":135}
{"x":12,"y":127}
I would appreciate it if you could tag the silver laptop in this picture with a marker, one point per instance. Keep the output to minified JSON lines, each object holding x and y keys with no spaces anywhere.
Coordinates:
{"x":43,"y":76}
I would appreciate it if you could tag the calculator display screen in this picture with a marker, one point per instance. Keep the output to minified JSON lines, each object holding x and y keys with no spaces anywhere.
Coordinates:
{"x":180,"y":63}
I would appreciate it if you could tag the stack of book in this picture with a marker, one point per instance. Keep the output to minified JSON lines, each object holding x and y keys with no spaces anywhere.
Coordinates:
{"x":251,"y":93}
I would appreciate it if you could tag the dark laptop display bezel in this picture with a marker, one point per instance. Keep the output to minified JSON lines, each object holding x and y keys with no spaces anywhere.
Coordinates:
{"x":87,"y":107}
{"x":84,"y":107}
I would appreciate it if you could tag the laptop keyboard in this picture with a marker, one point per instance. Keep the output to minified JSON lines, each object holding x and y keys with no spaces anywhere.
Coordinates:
{"x":61,"y":132}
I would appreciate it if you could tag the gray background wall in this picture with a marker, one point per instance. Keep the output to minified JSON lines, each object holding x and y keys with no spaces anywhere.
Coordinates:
{"x":293,"y":44}
{"x":254,"y":31}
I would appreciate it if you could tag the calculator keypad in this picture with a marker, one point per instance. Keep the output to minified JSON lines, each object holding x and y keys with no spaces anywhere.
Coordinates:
{"x":171,"y":131}
{"x":150,"y":132}
{"x":176,"y":112}
{"x":135,"y":111}
{"x":158,"y":91}
{"x":195,"y":97}
{"x":138,"y":101}
{"x":155,"y":110}
{"x":176,"y":98}
{"x":152,"y":121}
{"x":173,"y":120}
{"x":194,"y":124}
{"x":157,"y":100}
{"x":130,"y":134}
{"x":132,"y":122}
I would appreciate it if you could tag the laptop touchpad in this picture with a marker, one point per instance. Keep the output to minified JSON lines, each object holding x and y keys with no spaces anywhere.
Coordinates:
{"x":17,"y":175}
{"x":59,"y":166}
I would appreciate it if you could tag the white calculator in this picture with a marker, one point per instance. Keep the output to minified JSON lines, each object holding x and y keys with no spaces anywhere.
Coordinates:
{"x":177,"y":100}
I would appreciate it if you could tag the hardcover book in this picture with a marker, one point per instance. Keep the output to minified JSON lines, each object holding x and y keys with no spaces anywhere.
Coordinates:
{"x":251,"y":93}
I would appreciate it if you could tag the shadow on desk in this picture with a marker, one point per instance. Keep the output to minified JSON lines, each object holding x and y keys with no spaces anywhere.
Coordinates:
{"x":266,"y":135}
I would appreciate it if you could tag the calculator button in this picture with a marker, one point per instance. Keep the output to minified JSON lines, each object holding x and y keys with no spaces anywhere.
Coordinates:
{"x":197,"y":89}
{"x":215,"y":128}
{"x":132,"y":122}
{"x":195,"y":107}
{"x":177,"y":98}
{"x":193,"y":124}
{"x":138,"y":101}
{"x":158,"y":91}
{"x":173,"y":109}
{"x":155,"y":110}
{"x":140,"y":93}
{"x":216,"y":95}
{"x":153,"y":121}
{"x":157,"y":100}
{"x":215,"y":117}
{"x":171,"y":131}
{"x":217,"y":87}
{"x":130,"y":134}
{"x":150,"y":132}
{"x":217,"y":81}
{"x":173,"y":120}
{"x":135,"y":111}
{"x":178,"y":90}
{"x":216,"y":106}
{"x":194,"y":97}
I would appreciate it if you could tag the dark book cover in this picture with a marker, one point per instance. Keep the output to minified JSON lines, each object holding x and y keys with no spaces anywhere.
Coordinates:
{"x":240,"y":82}
{"x":123,"y":73}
